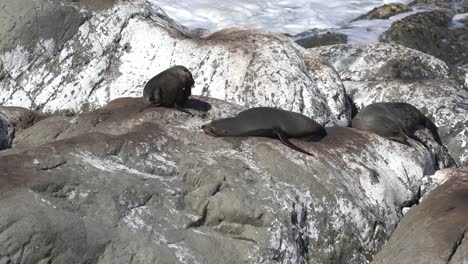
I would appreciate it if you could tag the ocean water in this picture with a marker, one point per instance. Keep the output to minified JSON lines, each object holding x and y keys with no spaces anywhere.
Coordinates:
{"x":285,"y":16}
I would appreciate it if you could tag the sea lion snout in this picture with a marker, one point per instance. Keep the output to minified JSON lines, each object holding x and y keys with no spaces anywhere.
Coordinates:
{"x":209,"y":129}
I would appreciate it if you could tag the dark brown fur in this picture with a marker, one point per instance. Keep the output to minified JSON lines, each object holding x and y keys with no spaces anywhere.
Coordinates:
{"x":395,"y":121}
{"x":170,"y":88}
{"x":268,"y":122}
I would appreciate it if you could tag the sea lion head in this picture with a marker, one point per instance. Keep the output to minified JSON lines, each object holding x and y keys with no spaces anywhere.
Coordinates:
{"x":185,"y":74}
{"x":220,"y":128}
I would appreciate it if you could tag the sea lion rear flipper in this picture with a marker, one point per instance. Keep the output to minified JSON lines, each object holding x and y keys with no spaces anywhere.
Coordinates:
{"x":183,"y":110}
{"x":284,"y":139}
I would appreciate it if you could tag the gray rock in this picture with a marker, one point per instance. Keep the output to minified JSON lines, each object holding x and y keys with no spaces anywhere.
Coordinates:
{"x":393,"y":73}
{"x":7,"y":131}
{"x":455,"y":6}
{"x":429,"y":32}
{"x":322,"y":40}
{"x":434,"y":231}
{"x":385,"y":11}
{"x":14,"y":119}
{"x":125,"y":183}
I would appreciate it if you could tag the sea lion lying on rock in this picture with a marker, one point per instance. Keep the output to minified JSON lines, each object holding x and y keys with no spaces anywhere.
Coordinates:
{"x":267,"y":122}
{"x":395,"y":121}
{"x":170,"y":88}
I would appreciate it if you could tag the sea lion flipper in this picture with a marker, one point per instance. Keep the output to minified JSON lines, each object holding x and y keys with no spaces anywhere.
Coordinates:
{"x":183,"y":110}
{"x":284,"y":139}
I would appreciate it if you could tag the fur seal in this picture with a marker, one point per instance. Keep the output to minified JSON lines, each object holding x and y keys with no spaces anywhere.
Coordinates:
{"x":268,"y":122}
{"x":395,"y":121}
{"x":170,"y":88}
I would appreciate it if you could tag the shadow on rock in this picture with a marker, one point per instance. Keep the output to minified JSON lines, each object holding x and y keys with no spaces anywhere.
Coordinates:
{"x":197,"y":105}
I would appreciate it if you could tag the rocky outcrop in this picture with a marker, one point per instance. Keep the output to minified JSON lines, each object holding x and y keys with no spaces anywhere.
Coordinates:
{"x":120,"y":182}
{"x":434,"y":231}
{"x":322,"y":40}
{"x":128,"y":183}
{"x":392,"y":73}
{"x":112,"y":52}
{"x":429,"y":32}
{"x":455,"y":6}
{"x":385,"y":11}
{"x":14,"y":119}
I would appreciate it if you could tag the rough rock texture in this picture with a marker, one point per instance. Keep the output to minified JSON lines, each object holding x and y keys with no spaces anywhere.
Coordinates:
{"x":457,"y":6}
{"x":393,"y":73}
{"x":434,"y":231}
{"x":126,"y":183}
{"x":322,"y":40}
{"x":112,"y":52}
{"x":433,"y":181}
{"x":15,"y":118}
{"x":428,"y":32}
{"x":385,"y":11}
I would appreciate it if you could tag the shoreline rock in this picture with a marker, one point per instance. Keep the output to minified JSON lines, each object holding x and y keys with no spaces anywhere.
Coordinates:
{"x":155,"y":185}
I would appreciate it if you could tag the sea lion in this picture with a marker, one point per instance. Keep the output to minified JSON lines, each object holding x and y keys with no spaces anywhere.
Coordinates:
{"x":395,"y":121}
{"x":267,"y":122}
{"x":170,"y":88}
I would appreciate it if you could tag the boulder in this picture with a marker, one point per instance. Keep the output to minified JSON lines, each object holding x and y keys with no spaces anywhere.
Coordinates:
{"x":455,"y":6}
{"x":322,"y":40}
{"x":393,"y":73}
{"x":429,"y":32}
{"x":385,"y":11}
{"x":435,"y":230}
{"x":129,"y":183}
{"x":14,"y":119}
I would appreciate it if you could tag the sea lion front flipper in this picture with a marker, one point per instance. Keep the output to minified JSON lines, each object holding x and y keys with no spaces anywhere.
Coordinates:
{"x":183,"y":110}
{"x":284,"y":139}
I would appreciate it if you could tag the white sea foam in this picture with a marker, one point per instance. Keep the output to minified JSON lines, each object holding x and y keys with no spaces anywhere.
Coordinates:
{"x":287,"y":16}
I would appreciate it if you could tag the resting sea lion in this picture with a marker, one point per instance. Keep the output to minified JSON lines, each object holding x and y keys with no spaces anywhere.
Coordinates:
{"x":395,"y":121}
{"x":170,"y":88}
{"x":268,"y":122}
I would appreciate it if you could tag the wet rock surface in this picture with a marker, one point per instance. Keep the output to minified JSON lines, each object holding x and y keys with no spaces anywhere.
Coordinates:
{"x":429,"y":32}
{"x":436,"y":229}
{"x":456,"y":6}
{"x":385,"y":11}
{"x":322,"y":40}
{"x":129,"y":183}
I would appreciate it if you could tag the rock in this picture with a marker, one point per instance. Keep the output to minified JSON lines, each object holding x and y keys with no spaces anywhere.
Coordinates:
{"x":322,"y":40}
{"x":40,"y":27}
{"x":393,"y":73}
{"x":453,"y":5}
{"x":117,"y":49}
{"x":14,"y":119}
{"x":428,"y":32}
{"x":126,"y":183}
{"x":434,"y":231}
{"x":6,"y":132}
{"x":385,"y":11}
{"x":433,"y":181}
